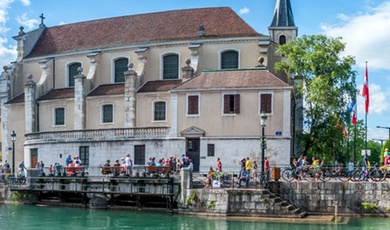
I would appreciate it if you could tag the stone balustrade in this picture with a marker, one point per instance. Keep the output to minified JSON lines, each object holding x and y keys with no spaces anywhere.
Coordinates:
{"x":100,"y":133}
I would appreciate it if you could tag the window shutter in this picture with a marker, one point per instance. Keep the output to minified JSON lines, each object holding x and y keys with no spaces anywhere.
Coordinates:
{"x":226,"y":103}
{"x":266,"y":100}
{"x":193,"y":105}
{"x":237,"y":103}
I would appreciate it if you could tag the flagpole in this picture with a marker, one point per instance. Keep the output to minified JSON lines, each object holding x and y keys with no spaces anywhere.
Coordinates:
{"x":354,"y":145}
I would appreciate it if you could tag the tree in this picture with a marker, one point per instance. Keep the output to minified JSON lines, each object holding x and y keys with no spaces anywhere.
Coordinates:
{"x":326,"y":82}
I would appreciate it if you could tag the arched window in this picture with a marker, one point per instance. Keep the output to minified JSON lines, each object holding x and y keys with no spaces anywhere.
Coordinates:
{"x":120,"y":68}
{"x":282,"y":40}
{"x":72,"y":71}
{"x":171,"y":66}
{"x":229,"y":60}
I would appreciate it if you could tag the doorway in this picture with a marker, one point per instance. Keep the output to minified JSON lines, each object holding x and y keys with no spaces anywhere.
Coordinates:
{"x":193,"y":152}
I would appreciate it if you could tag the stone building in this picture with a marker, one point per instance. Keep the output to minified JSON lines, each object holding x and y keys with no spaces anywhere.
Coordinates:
{"x":160,"y":84}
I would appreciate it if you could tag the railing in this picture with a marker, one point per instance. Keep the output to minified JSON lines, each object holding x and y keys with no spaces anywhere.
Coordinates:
{"x":100,"y":133}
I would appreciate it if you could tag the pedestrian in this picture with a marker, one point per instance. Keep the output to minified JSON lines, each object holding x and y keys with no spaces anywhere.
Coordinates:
{"x":244,"y":176}
{"x":248,"y":165}
{"x":68,"y":160}
{"x":219,"y":165}
{"x":129,"y":165}
{"x":266,"y":165}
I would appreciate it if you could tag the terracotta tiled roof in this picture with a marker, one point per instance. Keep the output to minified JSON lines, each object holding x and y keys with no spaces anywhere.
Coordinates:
{"x":55,"y":94}
{"x":17,"y":99}
{"x":142,"y":28}
{"x":159,"y":86}
{"x":233,"y":79}
{"x":108,"y":89}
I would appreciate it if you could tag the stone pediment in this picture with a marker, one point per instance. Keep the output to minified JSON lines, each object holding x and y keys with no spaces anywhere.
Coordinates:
{"x":193,"y":132}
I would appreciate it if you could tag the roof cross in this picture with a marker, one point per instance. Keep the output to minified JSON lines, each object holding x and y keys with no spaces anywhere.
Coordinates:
{"x":42,"y":17}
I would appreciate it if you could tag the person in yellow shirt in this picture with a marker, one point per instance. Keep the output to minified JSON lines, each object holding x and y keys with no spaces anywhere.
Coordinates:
{"x":248,"y":165}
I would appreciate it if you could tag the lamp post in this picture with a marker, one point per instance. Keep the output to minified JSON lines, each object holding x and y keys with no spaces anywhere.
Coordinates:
{"x":263,"y":123}
{"x":381,"y":127}
{"x":13,"y":139}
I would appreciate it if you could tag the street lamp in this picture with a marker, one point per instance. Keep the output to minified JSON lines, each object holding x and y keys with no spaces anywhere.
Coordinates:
{"x":13,"y":139}
{"x":381,"y":127}
{"x":263,"y":123}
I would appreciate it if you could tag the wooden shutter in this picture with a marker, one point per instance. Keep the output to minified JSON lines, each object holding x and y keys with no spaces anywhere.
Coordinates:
{"x":237,"y":103}
{"x":193,"y":105}
{"x":226,"y":103}
{"x":266,"y":103}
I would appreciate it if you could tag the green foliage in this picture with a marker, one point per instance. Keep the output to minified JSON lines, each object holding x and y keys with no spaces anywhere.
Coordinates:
{"x":324,"y":80}
{"x":212,"y":205}
{"x":388,"y":209}
{"x":369,"y":206}
{"x":194,"y":200}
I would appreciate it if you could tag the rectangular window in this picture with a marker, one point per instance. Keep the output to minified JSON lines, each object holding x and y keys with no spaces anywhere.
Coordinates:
{"x":139,"y":154}
{"x":84,"y":154}
{"x":59,"y":116}
{"x":193,"y":105}
{"x":160,"y":111}
{"x":266,"y":103}
{"x":108,"y":114}
{"x":210,"y":150}
{"x":231,"y":103}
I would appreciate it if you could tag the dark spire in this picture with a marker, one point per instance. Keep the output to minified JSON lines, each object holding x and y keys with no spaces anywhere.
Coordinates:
{"x":283,"y":15}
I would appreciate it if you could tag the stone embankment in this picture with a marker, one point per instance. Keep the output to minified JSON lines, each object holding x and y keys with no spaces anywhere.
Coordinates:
{"x":336,"y":197}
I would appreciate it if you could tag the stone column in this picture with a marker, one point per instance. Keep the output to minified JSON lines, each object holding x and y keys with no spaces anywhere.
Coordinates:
{"x":130,"y":78}
{"x":30,"y":105}
{"x":79,"y":100}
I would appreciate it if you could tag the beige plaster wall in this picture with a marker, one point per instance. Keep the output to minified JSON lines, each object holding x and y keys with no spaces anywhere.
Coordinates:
{"x":46,"y":115}
{"x":145,"y":109}
{"x":246,"y":123}
{"x":94,"y":112}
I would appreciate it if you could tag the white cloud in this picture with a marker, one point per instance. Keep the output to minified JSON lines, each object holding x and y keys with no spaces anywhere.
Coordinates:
{"x":26,"y":2}
{"x":366,"y":36}
{"x":7,"y":54}
{"x":244,"y":10}
{"x":378,"y":100}
{"x":29,"y":23}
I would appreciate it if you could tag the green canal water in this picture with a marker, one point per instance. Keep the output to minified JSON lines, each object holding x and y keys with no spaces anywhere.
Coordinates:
{"x":20,"y":217}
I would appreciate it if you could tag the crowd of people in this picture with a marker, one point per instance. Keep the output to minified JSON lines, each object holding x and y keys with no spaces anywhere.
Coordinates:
{"x":248,"y":170}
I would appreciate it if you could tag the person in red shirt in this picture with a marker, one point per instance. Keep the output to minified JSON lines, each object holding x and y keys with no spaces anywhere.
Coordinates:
{"x":219,"y":165}
{"x":266,"y":165}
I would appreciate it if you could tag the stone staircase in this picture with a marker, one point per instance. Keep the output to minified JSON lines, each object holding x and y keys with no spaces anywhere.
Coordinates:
{"x":261,"y":202}
{"x":287,"y":209}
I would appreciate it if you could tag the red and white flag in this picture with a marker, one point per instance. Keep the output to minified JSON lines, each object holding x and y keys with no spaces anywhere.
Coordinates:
{"x":365,"y":92}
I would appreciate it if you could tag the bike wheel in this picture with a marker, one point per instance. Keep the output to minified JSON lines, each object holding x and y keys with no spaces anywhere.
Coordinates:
{"x":376,"y":175}
{"x":344,"y":175}
{"x":325,"y":175}
{"x":288,"y":174}
{"x":308,"y":175}
{"x":357,"y":176}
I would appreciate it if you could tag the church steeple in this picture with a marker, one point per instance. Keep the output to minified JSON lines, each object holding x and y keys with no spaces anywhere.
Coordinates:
{"x":282,"y":28}
{"x":283,"y":15}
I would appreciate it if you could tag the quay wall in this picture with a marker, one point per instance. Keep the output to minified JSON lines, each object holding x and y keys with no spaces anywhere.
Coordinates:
{"x":331,"y":197}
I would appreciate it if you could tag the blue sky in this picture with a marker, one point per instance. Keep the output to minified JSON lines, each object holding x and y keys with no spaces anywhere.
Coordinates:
{"x":364,"y":26}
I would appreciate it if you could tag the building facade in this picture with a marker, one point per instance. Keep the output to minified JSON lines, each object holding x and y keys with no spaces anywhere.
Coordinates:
{"x":162,"y":84}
